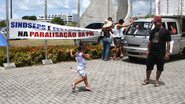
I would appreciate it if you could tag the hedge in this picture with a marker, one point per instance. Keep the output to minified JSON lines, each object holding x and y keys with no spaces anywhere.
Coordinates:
{"x":27,"y":56}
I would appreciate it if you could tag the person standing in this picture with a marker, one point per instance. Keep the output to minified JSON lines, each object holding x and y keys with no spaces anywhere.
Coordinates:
{"x":106,"y":31}
{"x":118,"y":36}
{"x":158,"y":50}
{"x":118,"y":39}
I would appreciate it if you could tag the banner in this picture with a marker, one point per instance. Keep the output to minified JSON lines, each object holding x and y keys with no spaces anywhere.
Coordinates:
{"x":25,"y":29}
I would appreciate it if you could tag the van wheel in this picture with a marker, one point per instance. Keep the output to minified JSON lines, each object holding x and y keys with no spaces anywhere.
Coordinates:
{"x":132,"y":58}
{"x":100,"y":40}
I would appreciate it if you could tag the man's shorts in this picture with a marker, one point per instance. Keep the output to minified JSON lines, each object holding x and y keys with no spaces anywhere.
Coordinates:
{"x":158,"y":59}
{"x":117,"y":41}
{"x":122,"y":42}
{"x":81,"y":71}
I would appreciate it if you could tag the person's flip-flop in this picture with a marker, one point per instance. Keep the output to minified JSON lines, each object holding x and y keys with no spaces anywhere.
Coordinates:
{"x":145,"y":82}
{"x":156,"y":84}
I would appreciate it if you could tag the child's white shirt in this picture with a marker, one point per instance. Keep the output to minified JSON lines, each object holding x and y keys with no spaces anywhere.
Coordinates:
{"x":80,"y":59}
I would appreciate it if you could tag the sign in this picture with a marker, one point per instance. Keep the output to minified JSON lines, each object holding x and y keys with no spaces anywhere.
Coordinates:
{"x":26,"y":29}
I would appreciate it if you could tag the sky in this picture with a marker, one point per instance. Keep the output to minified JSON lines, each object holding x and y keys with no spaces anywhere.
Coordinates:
{"x":36,"y":7}
{"x":142,"y":7}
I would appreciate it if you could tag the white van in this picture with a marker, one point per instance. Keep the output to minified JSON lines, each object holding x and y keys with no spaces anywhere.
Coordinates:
{"x":137,"y":39}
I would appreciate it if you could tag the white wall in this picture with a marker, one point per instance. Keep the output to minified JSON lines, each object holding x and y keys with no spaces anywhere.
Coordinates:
{"x":170,"y":7}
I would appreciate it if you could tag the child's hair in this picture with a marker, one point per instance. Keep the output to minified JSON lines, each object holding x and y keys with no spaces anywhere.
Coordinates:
{"x":81,"y":46}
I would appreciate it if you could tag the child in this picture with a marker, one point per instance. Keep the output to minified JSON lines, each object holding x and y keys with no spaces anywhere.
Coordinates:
{"x":80,"y":57}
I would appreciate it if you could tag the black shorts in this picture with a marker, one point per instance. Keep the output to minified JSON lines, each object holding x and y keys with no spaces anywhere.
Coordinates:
{"x":122,"y":42}
{"x":117,"y":41}
{"x":156,"y":58}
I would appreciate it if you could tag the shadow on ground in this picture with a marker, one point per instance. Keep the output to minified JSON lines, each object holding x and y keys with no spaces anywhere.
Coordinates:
{"x":143,"y":61}
{"x":81,"y":89}
{"x":152,"y":81}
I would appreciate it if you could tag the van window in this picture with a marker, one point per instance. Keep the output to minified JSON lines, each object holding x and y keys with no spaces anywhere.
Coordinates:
{"x":172,"y":27}
{"x":164,"y":26}
{"x":183,"y":25}
{"x":140,"y":29}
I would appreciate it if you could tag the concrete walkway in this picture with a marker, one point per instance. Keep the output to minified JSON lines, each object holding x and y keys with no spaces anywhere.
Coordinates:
{"x":113,"y":82}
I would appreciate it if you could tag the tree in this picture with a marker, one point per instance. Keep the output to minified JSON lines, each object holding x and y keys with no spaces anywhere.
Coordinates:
{"x":73,"y":24}
{"x":57,"y":20}
{"x":25,"y":17}
{"x":29,"y":17}
{"x":32,"y":18}
{"x":3,"y":23}
{"x":149,"y":15}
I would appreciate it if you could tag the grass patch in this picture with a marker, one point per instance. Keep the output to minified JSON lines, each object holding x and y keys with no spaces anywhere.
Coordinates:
{"x":25,"y":43}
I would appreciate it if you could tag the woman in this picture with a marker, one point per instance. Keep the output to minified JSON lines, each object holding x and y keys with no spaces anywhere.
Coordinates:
{"x":106,"y":31}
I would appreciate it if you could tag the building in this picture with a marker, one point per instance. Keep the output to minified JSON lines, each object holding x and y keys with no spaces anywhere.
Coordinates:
{"x":98,"y":11}
{"x":124,"y":9}
{"x":65,"y":17}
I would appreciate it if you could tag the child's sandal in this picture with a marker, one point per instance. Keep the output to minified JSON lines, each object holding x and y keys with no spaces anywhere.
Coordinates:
{"x":73,"y":86}
{"x":88,"y":89}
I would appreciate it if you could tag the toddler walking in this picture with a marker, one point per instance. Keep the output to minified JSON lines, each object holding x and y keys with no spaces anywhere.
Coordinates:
{"x":80,"y":58}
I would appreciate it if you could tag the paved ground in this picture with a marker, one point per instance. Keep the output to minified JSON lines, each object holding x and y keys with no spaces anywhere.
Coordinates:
{"x":113,"y":82}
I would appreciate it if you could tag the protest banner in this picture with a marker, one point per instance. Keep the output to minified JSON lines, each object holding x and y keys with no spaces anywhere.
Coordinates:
{"x":26,"y":29}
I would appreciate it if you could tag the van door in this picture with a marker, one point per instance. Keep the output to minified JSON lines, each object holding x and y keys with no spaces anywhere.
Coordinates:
{"x":175,"y":36}
{"x":183,"y":36}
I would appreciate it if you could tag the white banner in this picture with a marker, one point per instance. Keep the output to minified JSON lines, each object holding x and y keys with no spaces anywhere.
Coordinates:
{"x":25,"y":29}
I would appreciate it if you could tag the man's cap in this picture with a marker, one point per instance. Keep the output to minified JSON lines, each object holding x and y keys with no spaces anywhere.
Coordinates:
{"x":157,"y":19}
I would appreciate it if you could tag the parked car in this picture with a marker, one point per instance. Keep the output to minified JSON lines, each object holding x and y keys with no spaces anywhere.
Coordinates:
{"x":98,"y":39}
{"x":95,"y":40}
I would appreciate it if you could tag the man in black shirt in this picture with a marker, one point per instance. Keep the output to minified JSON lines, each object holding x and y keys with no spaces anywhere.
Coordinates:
{"x":158,"y":50}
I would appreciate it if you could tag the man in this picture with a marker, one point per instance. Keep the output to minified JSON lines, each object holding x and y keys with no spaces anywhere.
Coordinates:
{"x":118,"y":35}
{"x":118,"y":39}
{"x":158,"y":50}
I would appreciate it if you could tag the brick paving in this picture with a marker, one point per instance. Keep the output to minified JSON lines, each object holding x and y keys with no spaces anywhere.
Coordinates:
{"x":113,"y":82}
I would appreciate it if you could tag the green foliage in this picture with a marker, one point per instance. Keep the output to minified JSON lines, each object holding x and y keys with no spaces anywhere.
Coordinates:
{"x":2,"y":56}
{"x":29,"y":17}
{"x":73,"y":24}
{"x":27,"y":56}
{"x":149,"y":15}
{"x":94,"y":50}
{"x":57,"y":20}
{"x":22,"y":59}
{"x":3,"y":23}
